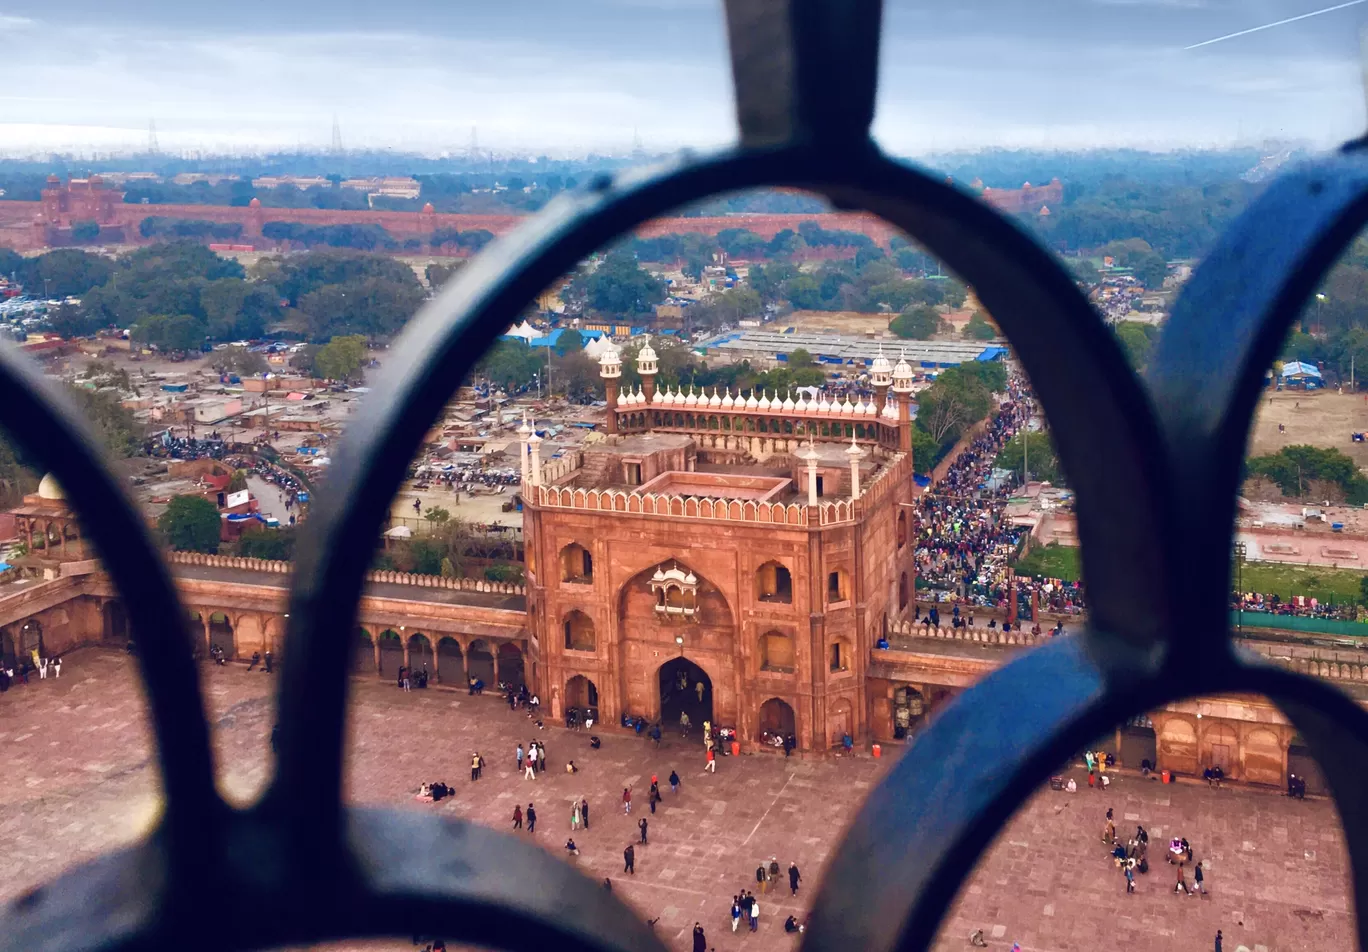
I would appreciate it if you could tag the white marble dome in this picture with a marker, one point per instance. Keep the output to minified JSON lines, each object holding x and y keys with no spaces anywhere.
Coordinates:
{"x":49,"y":488}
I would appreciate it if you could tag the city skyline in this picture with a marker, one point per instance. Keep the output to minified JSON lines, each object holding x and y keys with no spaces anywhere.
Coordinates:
{"x":569,"y":81}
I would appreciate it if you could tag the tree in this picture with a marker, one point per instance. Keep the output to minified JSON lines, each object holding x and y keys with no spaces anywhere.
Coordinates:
{"x":436,"y":514}
{"x":190,"y":524}
{"x":65,"y":272}
{"x":510,"y":364}
{"x":84,"y":232}
{"x":569,"y":341}
{"x":172,"y":333}
{"x":953,"y":402}
{"x":979,"y":327}
{"x":118,"y":429}
{"x":238,"y":481}
{"x":378,"y":307}
{"x":71,"y":321}
{"x":238,"y":310}
{"x":801,"y":359}
{"x":1150,"y":270}
{"x":264,"y":543}
{"x":918,"y":322}
{"x":618,"y":286}
{"x":1035,"y":452}
{"x":1136,"y":340}
{"x":341,"y":358}
{"x":438,"y":273}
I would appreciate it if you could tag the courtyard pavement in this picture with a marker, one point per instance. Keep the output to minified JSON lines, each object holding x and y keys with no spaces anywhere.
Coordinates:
{"x":78,"y":779}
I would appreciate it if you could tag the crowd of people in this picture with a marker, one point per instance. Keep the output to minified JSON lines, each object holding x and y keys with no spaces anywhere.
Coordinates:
{"x":1299,"y":605}
{"x":466,"y":478}
{"x":963,"y":546}
{"x":17,"y":670}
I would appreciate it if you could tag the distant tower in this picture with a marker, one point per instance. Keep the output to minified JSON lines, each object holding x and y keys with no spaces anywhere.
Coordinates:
{"x":474,"y":145}
{"x":152,"y":137}
{"x":337,"y":136}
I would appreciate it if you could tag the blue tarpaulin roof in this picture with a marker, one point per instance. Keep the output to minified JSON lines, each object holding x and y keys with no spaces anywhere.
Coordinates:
{"x":992,"y":353}
{"x":1297,"y":368}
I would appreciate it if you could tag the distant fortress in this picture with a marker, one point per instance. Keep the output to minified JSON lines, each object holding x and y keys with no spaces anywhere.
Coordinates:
{"x":28,"y":226}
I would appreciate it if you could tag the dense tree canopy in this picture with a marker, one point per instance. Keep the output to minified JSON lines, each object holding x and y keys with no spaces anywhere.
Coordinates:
{"x":1295,"y":468}
{"x":1033,"y":453}
{"x":917,"y":322}
{"x":190,"y":524}
{"x":619,"y":286}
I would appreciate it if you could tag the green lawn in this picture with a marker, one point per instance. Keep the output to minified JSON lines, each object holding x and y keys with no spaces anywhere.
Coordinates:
{"x":1324,"y":584}
{"x":1051,"y":561}
{"x":1332,"y":585}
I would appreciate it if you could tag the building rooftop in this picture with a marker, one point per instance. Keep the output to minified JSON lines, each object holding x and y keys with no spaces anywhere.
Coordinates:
{"x":717,"y":485}
{"x":839,"y":348}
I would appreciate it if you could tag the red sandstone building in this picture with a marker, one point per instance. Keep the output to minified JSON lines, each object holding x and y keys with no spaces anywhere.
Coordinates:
{"x":731,"y":557}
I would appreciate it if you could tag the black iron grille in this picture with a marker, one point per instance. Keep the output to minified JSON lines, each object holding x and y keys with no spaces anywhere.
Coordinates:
{"x":1156,"y":465}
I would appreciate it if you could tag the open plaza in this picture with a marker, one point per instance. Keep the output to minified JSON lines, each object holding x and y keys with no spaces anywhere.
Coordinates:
{"x":76,"y":752}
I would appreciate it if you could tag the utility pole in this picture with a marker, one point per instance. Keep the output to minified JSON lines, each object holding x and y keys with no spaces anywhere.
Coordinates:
{"x":1025,"y":452}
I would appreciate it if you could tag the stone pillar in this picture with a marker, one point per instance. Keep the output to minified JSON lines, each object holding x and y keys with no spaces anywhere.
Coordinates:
{"x":495,"y":654}
{"x":610,"y":390}
{"x":523,"y":432}
{"x":855,"y":454}
{"x":535,"y":475}
{"x":204,"y":620}
{"x":880,"y":397}
{"x":375,"y":646}
{"x":406,"y":652}
{"x":1012,"y":600}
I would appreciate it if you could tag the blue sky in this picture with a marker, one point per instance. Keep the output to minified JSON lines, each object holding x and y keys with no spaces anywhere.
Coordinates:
{"x":567,"y":76}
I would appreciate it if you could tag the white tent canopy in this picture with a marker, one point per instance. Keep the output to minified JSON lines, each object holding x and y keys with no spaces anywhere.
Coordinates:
{"x":524,"y":330}
{"x":596,"y":347}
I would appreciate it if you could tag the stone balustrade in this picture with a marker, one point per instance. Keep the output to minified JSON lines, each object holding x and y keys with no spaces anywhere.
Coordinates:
{"x":395,"y":578}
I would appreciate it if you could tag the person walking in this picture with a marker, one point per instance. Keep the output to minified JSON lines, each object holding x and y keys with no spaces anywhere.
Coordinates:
{"x":773,"y":870}
{"x":520,"y":756}
{"x":474,"y":766}
{"x":629,"y":859}
{"x":653,"y":798}
{"x":531,"y":819}
{"x":698,"y":689}
{"x":712,"y":761}
{"x":700,"y":941}
{"x":584,"y":812}
{"x":1218,"y":940}
{"x":736,"y":912}
{"x":530,"y":765}
{"x":794,"y":877}
{"x":642,"y":826}
{"x":574,"y":816}
{"x":1130,"y":878}
{"x":1181,"y":885}
{"x":761,"y":879}
{"x":517,"y":817}
{"x":674,"y":782}
{"x":1197,"y":886}
{"x":57,"y":666}
{"x":754,"y":915}
{"x":626,"y":800}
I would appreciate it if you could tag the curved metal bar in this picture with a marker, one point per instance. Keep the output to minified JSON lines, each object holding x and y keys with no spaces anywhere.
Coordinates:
{"x":42,"y":419}
{"x":1336,"y":730}
{"x":1207,"y":369}
{"x":1027,"y":290}
{"x":924,"y":829}
{"x":409,"y":873}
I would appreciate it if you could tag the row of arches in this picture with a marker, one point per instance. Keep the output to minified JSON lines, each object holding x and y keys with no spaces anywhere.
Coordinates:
{"x":446,"y":659}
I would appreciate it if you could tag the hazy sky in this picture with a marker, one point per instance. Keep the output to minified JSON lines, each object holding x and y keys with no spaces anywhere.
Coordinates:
{"x":566,"y":76}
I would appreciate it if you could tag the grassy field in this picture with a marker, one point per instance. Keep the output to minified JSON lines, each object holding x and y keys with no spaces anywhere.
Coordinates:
{"x":1324,"y":584}
{"x":1051,"y":561}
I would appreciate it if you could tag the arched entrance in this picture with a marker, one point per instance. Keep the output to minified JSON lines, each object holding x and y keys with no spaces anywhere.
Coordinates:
{"x":909,"y":707}
{"x":511,"y":664}
{"x":420,"y":652}
{"x":776,"y":722}
{"x":480,"y":663}
{"x":363,"y":652}
{"x":115,"y":620}
{"x":450,"y":661}
{"x":680,"y":692}
{"x":391,"y":653}
{"x":581,"y":693}
{"x":221,"y":634}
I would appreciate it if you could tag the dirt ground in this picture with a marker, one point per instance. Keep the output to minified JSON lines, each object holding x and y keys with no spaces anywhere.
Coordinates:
{"x":1325,"y":419}
{"x":855,"y":323}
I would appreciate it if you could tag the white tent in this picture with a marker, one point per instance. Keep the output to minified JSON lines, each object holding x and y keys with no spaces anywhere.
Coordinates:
{"x":524,"y":330}
{"x":596,"y":347}
{"x":400,"y":532}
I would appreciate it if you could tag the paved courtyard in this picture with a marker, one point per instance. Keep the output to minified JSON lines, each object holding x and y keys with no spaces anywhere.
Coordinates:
{"x":78,"y":779}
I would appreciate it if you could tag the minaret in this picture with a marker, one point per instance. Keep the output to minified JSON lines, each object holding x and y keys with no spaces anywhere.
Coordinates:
{"x":856,"y":454}
{"x":811,"y":456}
{"x":902,"y":392}
{"x":534,"y":441}
{"x":610,"y":369}
{"x":523,"y":432}
{"x":880,"y":376}
{"x":646,"y":366}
